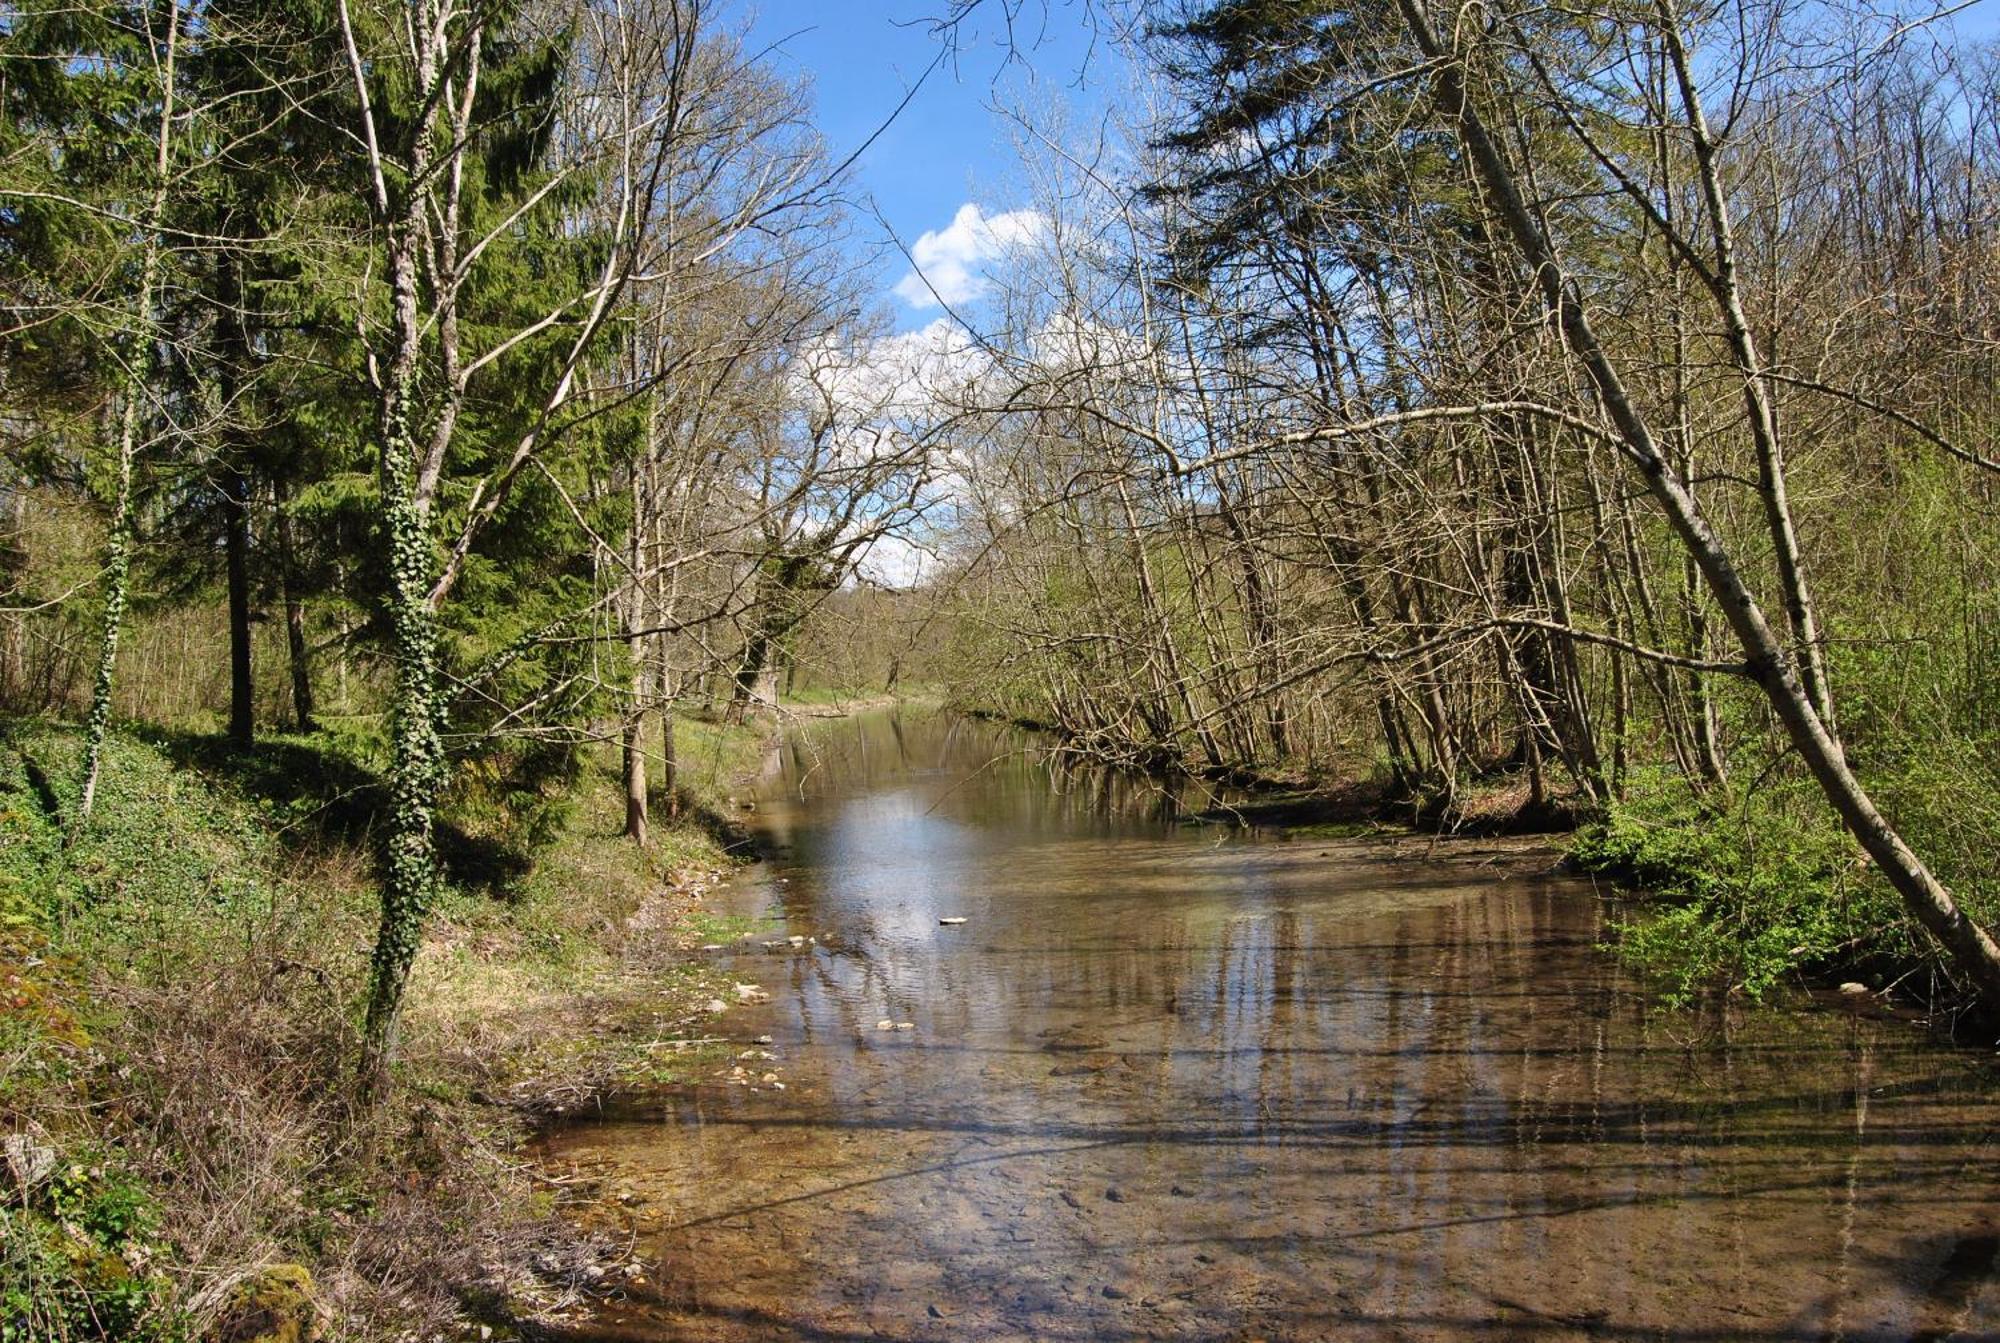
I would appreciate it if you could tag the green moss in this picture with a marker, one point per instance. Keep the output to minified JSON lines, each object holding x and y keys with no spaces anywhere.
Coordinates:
{"x":705,"y":926}
{"x":275,"y":1306}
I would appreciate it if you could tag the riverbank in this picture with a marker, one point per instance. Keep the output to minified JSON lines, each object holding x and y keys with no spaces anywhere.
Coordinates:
{"x":1294,"y":800}
{"x":184,"y":1156}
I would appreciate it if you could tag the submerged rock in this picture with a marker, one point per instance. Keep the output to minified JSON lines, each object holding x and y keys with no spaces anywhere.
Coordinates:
{"x":1071,"y":1040}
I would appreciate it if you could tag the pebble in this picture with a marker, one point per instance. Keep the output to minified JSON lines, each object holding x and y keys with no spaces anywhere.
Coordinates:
{"x":951,"y":923}
{"x":1853,"y":989}
{"x":885,"y":1025}
{"x":762,"y":1040}
{"x":906,"y":1025}
{"x":1114,"y":1195}
{"x":1112,"y":1293}
{"x":1071,"y":1199}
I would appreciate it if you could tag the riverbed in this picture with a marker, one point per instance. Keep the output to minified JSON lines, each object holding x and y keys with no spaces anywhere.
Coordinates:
{"x":1179,"y":1081}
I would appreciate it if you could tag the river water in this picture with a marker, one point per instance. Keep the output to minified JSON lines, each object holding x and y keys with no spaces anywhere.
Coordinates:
{"x":1173,"y":1081}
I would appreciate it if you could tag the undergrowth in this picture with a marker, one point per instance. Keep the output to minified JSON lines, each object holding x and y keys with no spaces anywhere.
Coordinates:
{"x":179,"y":989}
{"x":1749,"y":890}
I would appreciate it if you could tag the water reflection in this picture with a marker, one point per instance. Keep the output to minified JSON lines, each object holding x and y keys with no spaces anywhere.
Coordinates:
{"x":1167,"y":1083}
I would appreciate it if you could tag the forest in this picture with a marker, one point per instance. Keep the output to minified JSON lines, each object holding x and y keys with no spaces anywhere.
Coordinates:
{"x":442,"y":441}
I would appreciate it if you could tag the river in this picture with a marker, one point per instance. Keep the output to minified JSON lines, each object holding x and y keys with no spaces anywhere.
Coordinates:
{"x":1176,"y":1081}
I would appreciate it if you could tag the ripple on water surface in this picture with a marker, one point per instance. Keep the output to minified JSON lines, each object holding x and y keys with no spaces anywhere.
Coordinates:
{"x":1164,"y":1083}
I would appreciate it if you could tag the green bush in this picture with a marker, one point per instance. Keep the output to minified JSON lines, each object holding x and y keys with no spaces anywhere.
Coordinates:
{"x":1746,"y":892}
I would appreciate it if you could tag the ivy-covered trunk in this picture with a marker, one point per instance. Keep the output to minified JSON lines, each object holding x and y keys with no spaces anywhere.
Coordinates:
{"x":416,"y":767}
{"x":416,"y":746}
{"x":117,"y":583}
{"x":138,"y":371}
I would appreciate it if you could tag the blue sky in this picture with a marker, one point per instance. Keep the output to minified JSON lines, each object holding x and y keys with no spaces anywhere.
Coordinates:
{"x":947,"y":149}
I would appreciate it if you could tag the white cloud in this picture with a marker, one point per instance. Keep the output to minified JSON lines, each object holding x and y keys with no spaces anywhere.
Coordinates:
{"x":894,"y":561}
{"x":951,"y":262}
{"x":898,"y":376}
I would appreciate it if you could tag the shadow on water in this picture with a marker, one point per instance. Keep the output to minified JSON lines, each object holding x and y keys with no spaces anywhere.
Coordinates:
{"x":1173,"y":1082}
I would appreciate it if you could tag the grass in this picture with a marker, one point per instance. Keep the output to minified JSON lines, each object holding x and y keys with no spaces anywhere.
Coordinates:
{"x":178,"y":996}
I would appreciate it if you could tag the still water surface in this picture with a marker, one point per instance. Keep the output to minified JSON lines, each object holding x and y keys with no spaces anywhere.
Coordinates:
{"x":1175,"y":1082}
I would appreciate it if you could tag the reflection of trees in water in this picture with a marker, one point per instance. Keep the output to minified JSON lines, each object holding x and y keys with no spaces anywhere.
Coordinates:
{"x":995,"y":760}
{"x":1114,"y":794}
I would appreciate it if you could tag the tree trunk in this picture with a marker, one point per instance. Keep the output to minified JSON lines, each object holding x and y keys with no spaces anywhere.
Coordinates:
{"x":236,"y":550}
{"x":635,"y":781}
{"x":300,"y":653}
{"x":750,"y":675}
{"x":635,"y":648}
{"x":669,"y":760}
{"x":416,"y":766}
{"x":416,"y":747}
{"x":14,"y":627}
{"x":1759,"y":413}
{"x":117,"y":578}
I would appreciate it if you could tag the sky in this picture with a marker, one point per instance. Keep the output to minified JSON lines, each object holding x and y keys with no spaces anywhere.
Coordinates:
{"x":941,"y":173}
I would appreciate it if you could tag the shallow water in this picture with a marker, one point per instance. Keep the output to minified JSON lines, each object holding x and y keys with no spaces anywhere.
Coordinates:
{"x":1172,"y":1082}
